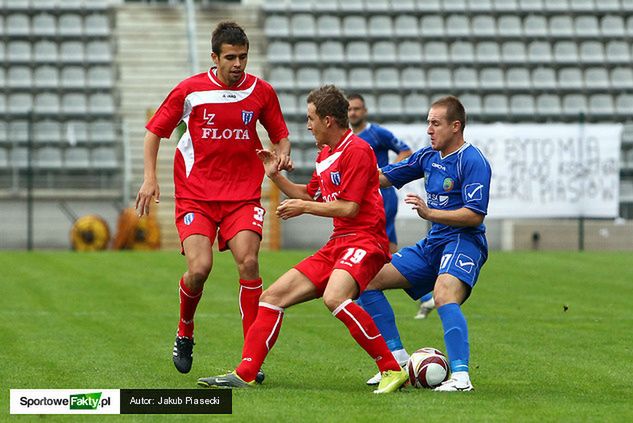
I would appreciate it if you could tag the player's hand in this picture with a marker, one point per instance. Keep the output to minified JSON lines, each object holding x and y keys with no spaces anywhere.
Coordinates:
{"x":148,"y":190}
{"x":290,"y":208}
{"x":418,"y":204}
{"x":270,"y":160}
{"x":285,"y":163}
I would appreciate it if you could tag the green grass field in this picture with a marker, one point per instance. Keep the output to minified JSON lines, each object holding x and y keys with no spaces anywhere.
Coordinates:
{"x":107,"y":320}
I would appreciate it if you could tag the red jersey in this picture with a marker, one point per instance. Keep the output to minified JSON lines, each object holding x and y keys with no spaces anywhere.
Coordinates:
{"x":349,"y":172}
{"x":215,"y":159}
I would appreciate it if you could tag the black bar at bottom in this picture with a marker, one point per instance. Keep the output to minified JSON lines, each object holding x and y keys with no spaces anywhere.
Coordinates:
{"x":176,"y":401}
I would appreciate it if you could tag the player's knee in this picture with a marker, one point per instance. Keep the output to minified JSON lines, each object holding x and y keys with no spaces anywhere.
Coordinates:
{"x":249,"y":266}
{"x":269,"y":297}
{"x":198,"y":274}
{"x":332,"y":301}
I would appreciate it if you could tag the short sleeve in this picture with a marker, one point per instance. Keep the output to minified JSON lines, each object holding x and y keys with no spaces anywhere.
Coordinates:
{"x":358,"y":167}
{"x":476,"y":176}
{"x":169,"y":114}
{"x":272,"y":118}
{"x":410,"y":169}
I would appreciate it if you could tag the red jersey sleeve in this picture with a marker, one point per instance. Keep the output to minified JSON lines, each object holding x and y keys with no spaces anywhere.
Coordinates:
{"x":313,"y":187}
{"x":358,"y":168}
{"x":169,"y":114}
{"x":271,"y":118}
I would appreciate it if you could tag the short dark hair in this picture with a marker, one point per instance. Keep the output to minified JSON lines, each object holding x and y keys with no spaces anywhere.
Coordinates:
{"x":330,"y":101}
{"x":228,"y":32}
{"x":356,"y":96}
{"x":454,"y":109}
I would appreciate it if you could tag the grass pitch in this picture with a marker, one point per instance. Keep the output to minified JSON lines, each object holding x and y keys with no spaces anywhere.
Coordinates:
{"x":550,"y":337}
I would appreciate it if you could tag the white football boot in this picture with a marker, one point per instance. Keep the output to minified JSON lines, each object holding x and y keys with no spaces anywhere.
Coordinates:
{"x":454,"y":385}
{"x":425,"y":308}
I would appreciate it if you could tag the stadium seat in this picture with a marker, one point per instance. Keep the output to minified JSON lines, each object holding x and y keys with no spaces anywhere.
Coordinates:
{"x":543,"y":78}
{"x":3,"y":128}
{"x":586,"y":26}
{"x":18,"y":131}
{"x":612,"y":26}
{"x":535,"y":26}
{"x":19,"y":77}
{"x":302,"y":26}
{"x":76,"y":158}
{"x":531,"y":5}
{"x":574,"y":104}
{"x":282,"y":78}
{"x":404,"y":6}
{"x":17,"y":24}
{"x":19,"y":51}
{"x":102,"y":131}
{"x":522,"y":105}
{"x":491,"y":79}
{"x":354,"y":26}
{"x":4,"y":158}
{"x":455,"y":5}
{"x":387,"y":78}
{"x":74,"y":103}
{"x":618,"y":52}
{"x":276,"y":26}
{"x":98,"y":52}
{"x":347,"y":6}
{"x":622,"y":78}
{"x":629,"y":26}
{"x":377,"y":6}
{"x":556,"y":5}
{"x":608,"y":6}
{"x":416,"y":105}
{"x":465,"y":78}
{"x":591,"y":52}
{"x":47,"y":131}
{"x":432,"y":26}
{"x":46,"y":77}
{"x":380,"y":26}
{"x":70,"y":25}
{"x":383,"y":52}
{"x":357,"y":52}
{"x":273,"y":6}
{"x":518,"y":79}
{"x":539,"y":52}
{"x":570,"y":78}
{"x":624,"y":105}
{"x":73,"y":77}
{"x":495,"y":106}
{"x":459,"y":25}
{"x":561,"y":26}
{"x":361,"y":78}
{"x":601,"y":105}
{"x":439,"y":78}
{"x":503,"y":6}
{"x":100,"y":103}
{"x":326,"y":6}
{"x":548,"y":105}
{"x":566,"y":52}
{"x":596,"y":78}
{"x":509,"y":26}
{"x":390,"y":105}
{"x":18,"y":157}
{"x":413,"y":78}
{"x":484,"y":26}
{"x":100,"y":77}
{"x":48,"y":157}
{"x":71,"y":52}
{"x":334,"y":51}
{"x":44,"y":24}
{"x":328,"y":26}
{"x":97,"y":24}
{"x":480,"y":6}
{"x":75,"y":131}
{"x":435,"y":52}
{"x":406,"y":26}
{"x":306,"y":52}
{"x":308,"y":78}
{"x":434,"y":6}
{"x":279,"y":52}
{"x":19,"y":103}
{"x":288,"y":103}
{"x":488,"y":52}
{"x":472,"y":104}
{"x":582,"y":5}
{"x":513,"y":52}
{"x":47,"y":103}
{"x":409,"y":52}
{"x":45,"y":51}
{"x":104,"y":158}
{"x":462,"y":52}
{"x":335,"y":75}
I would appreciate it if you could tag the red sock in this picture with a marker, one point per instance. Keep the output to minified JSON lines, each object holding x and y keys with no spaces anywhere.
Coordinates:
{"x":260,"y":340}
{"x":365,"y":332}
{"x":249,"y":302}
{"x":188,"y":303}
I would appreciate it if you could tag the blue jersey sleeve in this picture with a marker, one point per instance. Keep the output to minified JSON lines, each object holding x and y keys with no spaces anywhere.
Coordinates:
{"x":408,"y":170}
{"x":390,"y":142}
{"x":476,"y":175}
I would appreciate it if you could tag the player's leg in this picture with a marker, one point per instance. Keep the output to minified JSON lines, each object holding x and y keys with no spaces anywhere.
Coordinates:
{"x":390,"y":201}
{"x":291,"y":288}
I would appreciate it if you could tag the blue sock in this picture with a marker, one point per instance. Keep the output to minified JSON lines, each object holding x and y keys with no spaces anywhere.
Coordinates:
{"x":455,"y":336}
{"x":375,"y":303}
{"x":427,"y":297}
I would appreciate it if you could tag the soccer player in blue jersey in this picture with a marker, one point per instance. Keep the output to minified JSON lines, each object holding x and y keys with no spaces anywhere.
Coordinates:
{"x":448,"y":261}
{"x":382,"y":141}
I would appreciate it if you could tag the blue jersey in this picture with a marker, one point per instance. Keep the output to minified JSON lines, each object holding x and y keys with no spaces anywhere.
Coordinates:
{"x":461,"y":179}
{"x":382,"y":141}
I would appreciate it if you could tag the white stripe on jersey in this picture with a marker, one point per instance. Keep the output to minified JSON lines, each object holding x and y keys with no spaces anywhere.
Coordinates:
{"x":185,"y":145}
{"x":197,"y":98}
{"x":325,"y":164}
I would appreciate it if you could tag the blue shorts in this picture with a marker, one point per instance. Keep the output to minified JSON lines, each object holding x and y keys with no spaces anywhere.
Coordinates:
{"x":390,"y":200}
{"x":462,"y":257}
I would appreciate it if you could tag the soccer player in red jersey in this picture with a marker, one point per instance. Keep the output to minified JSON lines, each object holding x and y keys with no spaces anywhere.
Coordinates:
{"x":345,"y":187}
{"x":217,"y":174}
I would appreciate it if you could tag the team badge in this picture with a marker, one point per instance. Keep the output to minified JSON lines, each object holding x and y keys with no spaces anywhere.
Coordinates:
{"x":247,"y":117}
{"x":448,"y":184}
{"x":336,"y":178}
{"x":188,"y":219}
{"x":473,"y":192}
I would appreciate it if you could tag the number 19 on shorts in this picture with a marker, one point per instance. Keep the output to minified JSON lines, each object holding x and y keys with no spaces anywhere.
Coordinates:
{"x":353,"y":256}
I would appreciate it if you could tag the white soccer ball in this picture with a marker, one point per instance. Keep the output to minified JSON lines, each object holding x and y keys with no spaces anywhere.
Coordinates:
{"x":428,"y":368}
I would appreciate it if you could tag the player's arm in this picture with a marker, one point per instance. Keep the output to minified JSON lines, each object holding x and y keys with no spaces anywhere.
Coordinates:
{"x":271,"y":166}
{"x":336,"y":208}
{"x":150,"y":187}
{"x":282,"y":150}
{"x":403,"y":155}
{"x":384,"y":181}
{"x":463,"y":217}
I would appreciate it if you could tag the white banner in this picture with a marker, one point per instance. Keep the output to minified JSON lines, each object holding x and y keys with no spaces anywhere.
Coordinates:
{"x":539,"y":170}
{"x":65,"y":401}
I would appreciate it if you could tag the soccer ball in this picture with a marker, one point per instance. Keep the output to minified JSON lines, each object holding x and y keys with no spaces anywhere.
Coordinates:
{"x":428,"y":368}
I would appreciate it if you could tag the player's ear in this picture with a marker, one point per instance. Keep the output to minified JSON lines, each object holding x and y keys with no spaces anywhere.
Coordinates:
{"x":214,"y":57}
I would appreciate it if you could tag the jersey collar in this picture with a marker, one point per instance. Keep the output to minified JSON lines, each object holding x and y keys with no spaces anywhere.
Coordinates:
{"x":342,"y":143}
{"x":455,"y":152}
{"x":213,"y":77}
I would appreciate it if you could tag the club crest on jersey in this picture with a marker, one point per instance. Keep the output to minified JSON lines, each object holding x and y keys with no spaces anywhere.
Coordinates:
{"x":336,"y":178}
{"x":188,"y":219}
{"x":247,"y":117}
{"x":448,"y":184}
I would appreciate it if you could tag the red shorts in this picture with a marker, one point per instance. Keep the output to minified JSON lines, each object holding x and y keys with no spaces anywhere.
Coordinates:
{"x":359,"y":254}
{"x":226,"y":218}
